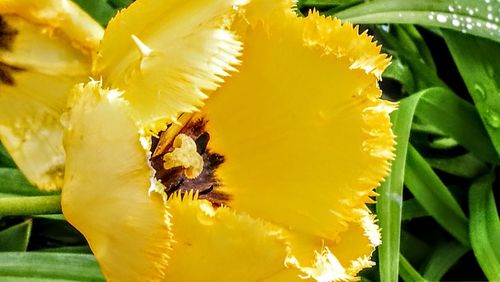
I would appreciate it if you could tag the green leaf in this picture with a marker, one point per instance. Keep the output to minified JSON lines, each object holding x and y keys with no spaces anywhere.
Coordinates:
{"x":390,"y":192}
{"x":414,"y":248}
{"x":443,"y":143}
{"x":434,"y":197}
{"x":478,"y":61}
{"x":421,"y":46}
{"x":469,"y":16}
{"x":5,"y":159}
{"x":30,"y":205}
{"x":408,"y":273}
{"x":399,"y":42}
{"x":100,"y":10}
{"x":15,"y":238}
{"x":119,"y":4}
{"x":12,"y":181}
{"x":49,"y":266}
{"x":467,"y":165}
{"x":485,"y":226}
{"x":399,"y":71}
{"x":442,"y":259}
{"x":324,"y":3}
{"x":413,"y":209}
{"x":59,"y":217}
{"x":70,"y":249}
{"x":457,"y":119}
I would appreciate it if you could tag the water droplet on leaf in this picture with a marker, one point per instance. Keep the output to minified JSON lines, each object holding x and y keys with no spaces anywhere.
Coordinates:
{"x":479,"y":90}
{"x":492,"y":118}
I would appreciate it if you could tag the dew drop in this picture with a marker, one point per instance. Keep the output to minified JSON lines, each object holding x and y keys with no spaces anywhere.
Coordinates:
{"x":385,"y":27}
{"x":455,"y":22}
{"x":479,"y":90}
{"x":441,"y":18}
{"x":492,"y":118}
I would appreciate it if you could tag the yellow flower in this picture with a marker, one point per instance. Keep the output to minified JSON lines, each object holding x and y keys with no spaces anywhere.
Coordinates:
{"x":45,"y":48}
{"x":266,"y":180}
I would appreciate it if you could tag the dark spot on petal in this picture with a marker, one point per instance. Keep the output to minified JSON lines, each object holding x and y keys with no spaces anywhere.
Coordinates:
{"x":7,"y":35}
{"x":6,"y":71}
{"x":206,"y":183}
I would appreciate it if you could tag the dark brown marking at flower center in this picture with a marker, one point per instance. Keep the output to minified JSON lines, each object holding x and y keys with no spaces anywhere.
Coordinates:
{"x":206,"y":183}
{"x":6,"y":71}
{"x":7,"y":35}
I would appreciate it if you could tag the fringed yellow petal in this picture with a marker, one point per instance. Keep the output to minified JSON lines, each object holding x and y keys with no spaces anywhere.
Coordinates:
{"x":105,"y":194}
{"x":221,"y":245}
{"x":168,"y":55}
{"x":340,"y":260}
{"x":304,"y":135}
{"x":357,"y":243}
{"x":60,"y":17}
{"x":324,"y":32}
{"x":342,"y":40}
{"x":45,"y":48}
{"x":262,"y":10}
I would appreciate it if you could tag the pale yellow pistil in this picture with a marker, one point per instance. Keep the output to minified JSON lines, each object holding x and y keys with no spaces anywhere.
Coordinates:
{"x":184,"y":155}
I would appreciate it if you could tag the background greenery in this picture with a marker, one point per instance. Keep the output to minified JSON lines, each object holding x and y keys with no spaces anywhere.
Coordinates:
{"x":437,"y":209}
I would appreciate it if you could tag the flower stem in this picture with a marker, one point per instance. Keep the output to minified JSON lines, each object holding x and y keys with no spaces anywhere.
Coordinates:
{"x":30,"y":205}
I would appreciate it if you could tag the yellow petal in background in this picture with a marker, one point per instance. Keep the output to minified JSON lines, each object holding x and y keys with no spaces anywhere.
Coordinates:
{"x":105,"y":195}
{"x":168,"y":55}
{"x":62,"y":17}
{"x":45,"y":48}
{"x":301,"y":126}
{"x":221,"y":245}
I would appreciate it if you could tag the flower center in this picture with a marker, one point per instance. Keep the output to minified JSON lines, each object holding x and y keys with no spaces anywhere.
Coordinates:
{"x":185,"y":163}
{"x":185,"y":154}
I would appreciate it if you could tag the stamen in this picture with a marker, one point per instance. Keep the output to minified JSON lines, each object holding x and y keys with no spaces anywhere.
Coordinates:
{"x":185,"y":154}
{"x":177,"y":150}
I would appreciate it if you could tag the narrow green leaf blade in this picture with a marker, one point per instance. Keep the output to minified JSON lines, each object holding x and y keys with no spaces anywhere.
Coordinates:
{"x":413,"y":209}
{"x":485,"y":226}
{"x":467,"y":165}
{"x":69,"y":249}
{"x":434,"y":197}
{"x":469,"y":16}
{"x":480,"y":70}
{"x":16,"y":238}
{"x":443,"y":258}
{"x":30,"y":205}
{"x":49,"y":266}
{"x":408,"y":273}
{"x":390,"y":192}
{"x":458,"y":119}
